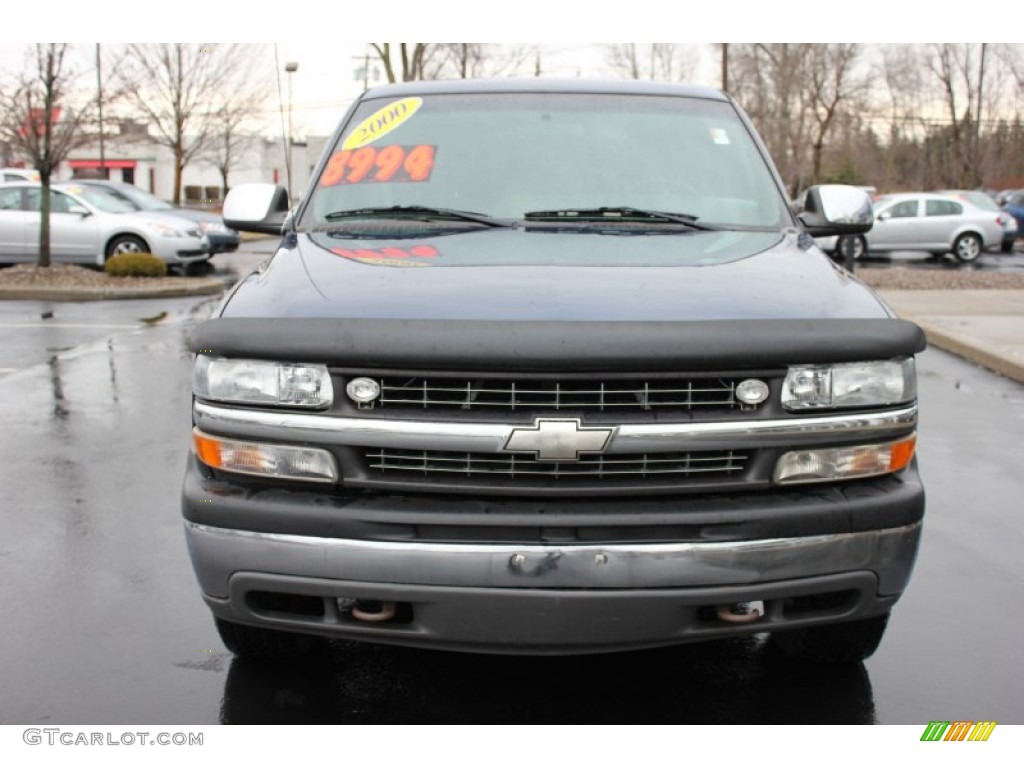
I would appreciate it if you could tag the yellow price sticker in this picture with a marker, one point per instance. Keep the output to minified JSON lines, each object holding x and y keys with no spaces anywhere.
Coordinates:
{"x":382,"y":122}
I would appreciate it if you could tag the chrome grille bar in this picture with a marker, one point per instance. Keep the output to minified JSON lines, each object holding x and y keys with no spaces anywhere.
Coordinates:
{"x":513,"y":394}
{"x":475,"y":464}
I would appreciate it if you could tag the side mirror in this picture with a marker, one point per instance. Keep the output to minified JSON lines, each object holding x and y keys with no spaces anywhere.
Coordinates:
{"x":836,"y":209}
{"x":80,"y":210}
{"x":256,"y":208}
{"x":884,"y":216}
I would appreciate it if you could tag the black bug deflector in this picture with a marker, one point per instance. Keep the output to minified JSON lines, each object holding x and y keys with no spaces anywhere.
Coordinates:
{"x":535,"y":345}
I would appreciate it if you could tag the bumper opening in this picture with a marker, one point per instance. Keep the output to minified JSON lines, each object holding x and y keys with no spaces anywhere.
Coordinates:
{"x":329,"y":609}
{"x":541,"y":621}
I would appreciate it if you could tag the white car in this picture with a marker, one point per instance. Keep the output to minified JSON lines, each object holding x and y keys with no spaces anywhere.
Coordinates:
{"x":19,"y":174}
{"x":88,"y":225}
{"x":987,"y":203}
{"x":923,"y":221}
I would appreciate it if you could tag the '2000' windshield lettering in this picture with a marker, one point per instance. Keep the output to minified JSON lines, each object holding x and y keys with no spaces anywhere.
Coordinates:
{"x":382,"y":122}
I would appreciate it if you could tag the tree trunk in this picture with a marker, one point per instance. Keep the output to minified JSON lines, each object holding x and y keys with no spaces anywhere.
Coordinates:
{"x":817,"y":149}
{"x":179,"y":166}
{"x":44,"y":221}
{"x":384,"y":53}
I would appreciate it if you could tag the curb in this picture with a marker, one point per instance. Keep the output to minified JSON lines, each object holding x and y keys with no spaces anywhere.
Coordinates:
{"x":203,"y":286}
{"x":969,"y":349}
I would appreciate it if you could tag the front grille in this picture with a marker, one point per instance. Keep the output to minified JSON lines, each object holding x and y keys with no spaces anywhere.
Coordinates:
{"x":574,"y":394}
{"x":698,"y":464}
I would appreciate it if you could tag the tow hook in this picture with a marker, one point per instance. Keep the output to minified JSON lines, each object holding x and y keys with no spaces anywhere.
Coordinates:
{"x":373,"y":610}
{"x":738,"y":613}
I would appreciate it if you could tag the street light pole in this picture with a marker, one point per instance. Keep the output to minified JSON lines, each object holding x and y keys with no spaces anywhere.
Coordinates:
{"x":99,"y":108}
{"x":290,"y":67}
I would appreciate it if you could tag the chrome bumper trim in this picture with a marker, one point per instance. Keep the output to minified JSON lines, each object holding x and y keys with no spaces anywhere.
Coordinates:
{"x":217,"y":553}
{"x":492,"y":438}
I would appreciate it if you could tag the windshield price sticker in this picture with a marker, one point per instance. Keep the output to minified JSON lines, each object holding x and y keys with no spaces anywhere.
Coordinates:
{"x":382,"y":122}
{"x":391,"y":256}
{"x":421,"y":251}
{"x":370,"y":164}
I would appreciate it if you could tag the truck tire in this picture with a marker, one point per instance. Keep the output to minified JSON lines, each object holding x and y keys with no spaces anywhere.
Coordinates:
{"x":847,"y":643}
{"x":260,"y":643}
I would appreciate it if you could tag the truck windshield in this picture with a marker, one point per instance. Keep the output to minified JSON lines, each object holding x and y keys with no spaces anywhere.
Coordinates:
{"x":506,"y":155}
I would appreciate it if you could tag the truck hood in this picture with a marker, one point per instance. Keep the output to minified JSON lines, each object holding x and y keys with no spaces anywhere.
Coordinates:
{"x":545,"y":274}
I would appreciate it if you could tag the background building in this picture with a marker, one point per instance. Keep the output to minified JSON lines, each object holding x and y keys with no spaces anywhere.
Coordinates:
{"x":132,"y":156}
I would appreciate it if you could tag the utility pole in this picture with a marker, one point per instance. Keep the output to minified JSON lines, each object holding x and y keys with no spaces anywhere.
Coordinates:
{"x":725,"y":67}
{"x":99,"y":107}
{"x":365,"y":59}
{"x":976,"y":153}
{"x":290,"y":67}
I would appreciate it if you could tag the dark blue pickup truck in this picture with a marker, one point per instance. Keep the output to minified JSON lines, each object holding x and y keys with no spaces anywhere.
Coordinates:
{"x":552,"y":367}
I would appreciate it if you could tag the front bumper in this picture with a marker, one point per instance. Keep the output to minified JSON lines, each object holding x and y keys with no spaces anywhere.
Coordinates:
{"x":222,"y":242}
{"x":813,"y":559}
{"x":180,"y":250}
{"x":549,"y":599}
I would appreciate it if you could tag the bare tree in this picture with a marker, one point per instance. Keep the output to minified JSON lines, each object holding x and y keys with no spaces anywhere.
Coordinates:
{"x":904,"y":75}
{"x":38,"y":122}
{"x":959,"y":69}
{"x":465,"y":60}
{"x":229,"y":139}
{"x":237,"y":120}
{"x":831,"y":81}
{"x":769,"y":80}
{"x":176,"y":86}
{"x":414,"y":59}
{"x":667,"y":62}
{"x":979,"y":88}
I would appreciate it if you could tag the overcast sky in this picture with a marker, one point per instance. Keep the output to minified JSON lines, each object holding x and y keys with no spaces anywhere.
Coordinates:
{"x":317,"y":33}
{"x":327,"y":79}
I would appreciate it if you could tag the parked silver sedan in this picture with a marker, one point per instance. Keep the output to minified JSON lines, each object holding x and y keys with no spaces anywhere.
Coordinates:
{"x":935,"y":223}
{"x":88,"y":225}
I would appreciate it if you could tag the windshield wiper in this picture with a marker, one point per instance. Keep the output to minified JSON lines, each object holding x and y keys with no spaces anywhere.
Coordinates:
{"x":621,"y":213}
{"x":419,"y":212}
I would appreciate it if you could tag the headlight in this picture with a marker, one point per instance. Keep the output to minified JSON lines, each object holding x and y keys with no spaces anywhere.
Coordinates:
{"x":214,"y":227}
{"x":260,"y":382}
{"x":163,"y":229}
{"x":847,"y":385}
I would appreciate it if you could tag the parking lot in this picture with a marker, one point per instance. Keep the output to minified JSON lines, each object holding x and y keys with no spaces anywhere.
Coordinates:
{"x":104,"y":623}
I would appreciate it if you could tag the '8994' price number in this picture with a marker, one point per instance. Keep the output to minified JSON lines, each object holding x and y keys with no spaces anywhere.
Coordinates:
{"x":379,"y":164}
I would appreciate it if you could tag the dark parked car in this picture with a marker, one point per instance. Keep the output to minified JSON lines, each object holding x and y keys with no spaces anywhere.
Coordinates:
{"x":1014,"y":206}
{"x":549,"y":367}
{"x":222,"y":238}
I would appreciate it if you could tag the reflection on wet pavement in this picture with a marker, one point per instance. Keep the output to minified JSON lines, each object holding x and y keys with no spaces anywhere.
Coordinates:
{"x":736,"y":681}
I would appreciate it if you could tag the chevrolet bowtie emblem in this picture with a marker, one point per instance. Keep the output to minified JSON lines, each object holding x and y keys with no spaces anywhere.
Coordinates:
{"x":559,"y":439}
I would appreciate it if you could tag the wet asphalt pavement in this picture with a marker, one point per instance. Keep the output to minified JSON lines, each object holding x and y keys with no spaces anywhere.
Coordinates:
{"x":103,"y":622}
{"x":987,"y":262}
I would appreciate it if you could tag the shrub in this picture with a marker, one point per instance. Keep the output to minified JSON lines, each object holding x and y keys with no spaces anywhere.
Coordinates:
{"x":135,"y":265}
